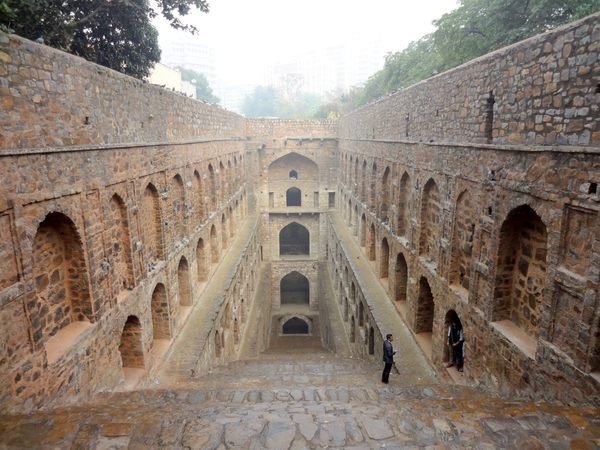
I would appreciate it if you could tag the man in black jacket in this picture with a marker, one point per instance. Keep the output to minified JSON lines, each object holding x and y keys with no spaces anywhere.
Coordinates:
{"x":388,"y":358}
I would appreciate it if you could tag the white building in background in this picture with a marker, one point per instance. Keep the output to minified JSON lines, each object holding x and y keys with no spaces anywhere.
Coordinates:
{"x":189,"y":51}
{"x":330,"y":69}
{"x":170,"y":78}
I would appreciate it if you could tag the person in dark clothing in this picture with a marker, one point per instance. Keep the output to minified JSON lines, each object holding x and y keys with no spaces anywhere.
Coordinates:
{"x":388,"y":358}
{"x":456,"y":339}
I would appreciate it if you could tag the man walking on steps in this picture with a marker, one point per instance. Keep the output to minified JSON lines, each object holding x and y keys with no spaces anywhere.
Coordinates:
{"x":388,"y":358}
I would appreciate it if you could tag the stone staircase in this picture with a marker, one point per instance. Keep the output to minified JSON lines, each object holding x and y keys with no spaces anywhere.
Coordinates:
{"x":301,"y":397}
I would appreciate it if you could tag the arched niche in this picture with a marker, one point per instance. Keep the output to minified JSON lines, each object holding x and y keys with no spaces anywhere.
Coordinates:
{"x":294,"y":239}
{"x":282,"y":167}
{"x":294,"y":289}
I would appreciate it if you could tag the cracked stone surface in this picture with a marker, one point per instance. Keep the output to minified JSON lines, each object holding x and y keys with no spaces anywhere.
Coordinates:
{"x":354,"y":412}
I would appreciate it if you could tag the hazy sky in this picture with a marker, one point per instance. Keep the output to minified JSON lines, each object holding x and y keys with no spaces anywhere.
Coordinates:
{"x":250,"y":34}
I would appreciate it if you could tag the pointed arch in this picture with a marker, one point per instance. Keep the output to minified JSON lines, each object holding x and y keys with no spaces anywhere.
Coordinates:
{"x":178,"y":208}
{"x":385,"y":195}
{"x":61,"y":278}
{"x":183,"y":283}
{"x":152,"y":224}
{"x":201,"y":268}
{"x":159,"y":307}
{"x":293,"y":197}
{"x":199,"y":197}
{"x":521,"y":269}
{"x":294,"y":239}
{"x":400,"y":278}
{"x":372,"y":243}
{"x":430,"y":221}
{"x":403,"y":199}
{"x":214,"y":245}
{"x":425,"y":308}
{"x":384,"y":259}
{"x":131,"y":347}
{"x":120,"y":251}
{"x":462,"y":241}
{"x":224,"y":231}
{"x":294,"y":289}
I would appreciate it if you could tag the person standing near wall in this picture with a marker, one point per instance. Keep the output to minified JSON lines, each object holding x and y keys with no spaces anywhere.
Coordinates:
{"x":457,"y":339}
{"x":388,"y":358}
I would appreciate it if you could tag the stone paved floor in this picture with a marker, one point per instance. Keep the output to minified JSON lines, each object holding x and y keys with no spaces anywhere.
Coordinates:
{"x":299,"y":400}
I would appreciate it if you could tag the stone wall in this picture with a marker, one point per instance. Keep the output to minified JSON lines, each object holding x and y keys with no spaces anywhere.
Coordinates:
{"x":118,"y":200}
{"x":544,"y":92}
{"x":506,"y":235}
{"x":112,"y":223}
{"x":42,"y":87}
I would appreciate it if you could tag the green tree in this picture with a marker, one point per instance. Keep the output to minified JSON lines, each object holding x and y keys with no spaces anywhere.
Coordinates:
{"x":203,"y":89}
{"x":114,"y":33}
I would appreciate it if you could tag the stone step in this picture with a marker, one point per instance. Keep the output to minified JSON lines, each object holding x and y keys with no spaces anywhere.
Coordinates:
{"x":415,"y":417}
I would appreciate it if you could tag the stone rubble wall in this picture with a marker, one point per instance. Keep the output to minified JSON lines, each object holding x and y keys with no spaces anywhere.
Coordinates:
{"x":75,"y":134}
{"x":41,"y":87}
{"x":545,"y":90}
{"x":291,"y":128}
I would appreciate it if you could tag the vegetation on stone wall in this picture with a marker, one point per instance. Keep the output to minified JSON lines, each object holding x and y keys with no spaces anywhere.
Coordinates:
{"x":475,"y":28}
{"x":116,"y":34}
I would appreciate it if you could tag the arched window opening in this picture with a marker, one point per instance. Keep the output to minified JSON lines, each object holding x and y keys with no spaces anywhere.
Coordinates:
{"x":295,"y":289}
{"x":177,"y":220}
{"x":361,"y":314}
{"x":462,"y":241}
{"x":400,"y":278}
{"x":352,"y":330}
{"x":213,"y":188}
{"x":425,"y":308}
{"x":151,"y":223}
{"x":294,"y":239}
{"x":214,"y":246}
{"x":199,"y":197}
{"x":183,"y":283}
{"x":403,"y":198}
{"x":372,"y":243}
{"x":521,"y":269}
{"x":293,"y":197}
{"x":293,"y":175}
{"x":122,"y":272}
{"x":430,"y":222}
{"x":373,"y":188}
{"x":61,"y":278}
{"x":160,"y":313}
{"x":363,"y":231}
{"x":385,"y":258}
{"x":130,"y":347}
{"x":371,"y":341}
{"x":385,"y":195}
{"x":224,"y":231}
{"x":201,"y":261}
{"x":295,"y":325}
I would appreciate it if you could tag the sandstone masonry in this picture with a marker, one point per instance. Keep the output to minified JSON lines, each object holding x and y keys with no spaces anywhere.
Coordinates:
{"x":475,"y":191}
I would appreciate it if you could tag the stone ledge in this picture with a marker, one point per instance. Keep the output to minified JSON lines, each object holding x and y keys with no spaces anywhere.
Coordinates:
{"x":525,"y":343}
{"x":66,"y":339}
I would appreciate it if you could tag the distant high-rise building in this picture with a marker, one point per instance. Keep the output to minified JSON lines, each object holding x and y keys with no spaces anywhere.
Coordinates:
{"x":330,"y":69}
{"x":189,"y":51}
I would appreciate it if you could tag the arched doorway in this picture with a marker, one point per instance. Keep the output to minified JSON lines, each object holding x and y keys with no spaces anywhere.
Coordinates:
{"x":295,"y":289}
{"x":294,"y":239}
{"x":295,"y":325}
{"x":293,"y":197}
{"x":130,"y":347}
